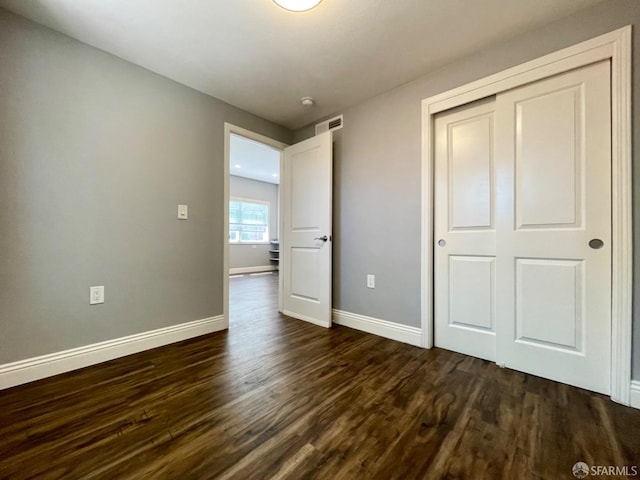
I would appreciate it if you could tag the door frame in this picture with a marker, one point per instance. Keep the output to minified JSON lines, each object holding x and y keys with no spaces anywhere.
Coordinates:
{"x":616,"y":47}
{"x":243,"y":132}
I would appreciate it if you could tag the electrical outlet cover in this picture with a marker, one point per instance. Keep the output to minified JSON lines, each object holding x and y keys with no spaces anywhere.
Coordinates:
{"x":96,"y":295}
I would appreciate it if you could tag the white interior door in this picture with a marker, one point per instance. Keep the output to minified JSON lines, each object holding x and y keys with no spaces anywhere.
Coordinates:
{"x":554,"y":198}
{"x":306,"y":244}
{"x":523,"y":228}
{"x":464,"y":223}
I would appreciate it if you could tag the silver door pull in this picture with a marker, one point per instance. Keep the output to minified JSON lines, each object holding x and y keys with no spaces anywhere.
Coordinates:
{"x":323,"y":238}
{"x":442,"y":242}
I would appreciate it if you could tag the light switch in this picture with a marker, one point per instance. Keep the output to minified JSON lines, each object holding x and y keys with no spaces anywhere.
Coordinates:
{"x":183,"y":212}
{"x":96,"y":295}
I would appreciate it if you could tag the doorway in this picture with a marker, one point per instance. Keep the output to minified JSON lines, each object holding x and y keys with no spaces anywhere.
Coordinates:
{"x":253,"y":168}
{"x":304,"y":251}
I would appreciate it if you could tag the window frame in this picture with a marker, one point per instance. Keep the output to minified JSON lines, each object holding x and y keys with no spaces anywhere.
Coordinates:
{"x":268,"y":224}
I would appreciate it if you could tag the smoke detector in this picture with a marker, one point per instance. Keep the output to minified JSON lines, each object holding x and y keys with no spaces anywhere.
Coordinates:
{"x":307,"y":101}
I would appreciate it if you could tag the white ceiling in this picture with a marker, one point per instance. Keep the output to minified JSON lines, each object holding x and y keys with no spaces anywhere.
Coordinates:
{"x":262,"y":58}
{"x":254,"y":160}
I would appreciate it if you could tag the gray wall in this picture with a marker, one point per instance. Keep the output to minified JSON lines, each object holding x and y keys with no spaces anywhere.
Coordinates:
{"x":95,"y":155}
{"x":254,"y":255}
{"x":377,"y":169}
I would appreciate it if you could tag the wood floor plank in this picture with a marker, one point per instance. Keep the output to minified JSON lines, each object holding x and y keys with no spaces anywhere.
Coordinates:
{"x":278,"y":398}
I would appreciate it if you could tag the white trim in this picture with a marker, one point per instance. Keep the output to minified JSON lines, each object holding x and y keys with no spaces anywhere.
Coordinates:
{"x":24,"y":371}
{"x":635,"y":394}
{"x":615,"y":46}
{"x":376,"y":326}
{"x":263,"y":268}
{"x":228,"y":130}
{"x":280,"y":230}
{"x":622,"y":220}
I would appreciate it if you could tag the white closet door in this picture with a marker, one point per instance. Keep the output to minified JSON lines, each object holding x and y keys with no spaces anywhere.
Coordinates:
{"x":465,"y":234}
{"x":554,"y":198}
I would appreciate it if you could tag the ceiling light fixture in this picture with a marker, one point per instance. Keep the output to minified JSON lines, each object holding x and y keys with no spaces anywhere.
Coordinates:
{"x":307,"y":101}
{"x":297,"y":5}
{"x":237,"y":166}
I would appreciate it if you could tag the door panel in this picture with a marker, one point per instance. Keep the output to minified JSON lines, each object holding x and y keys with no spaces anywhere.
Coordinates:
{"x":306,"y":191}
{"x":549,"y":159}
{"x":470,"y":171}
{"x":305,"y":258}
{"x":549,"y":303}
{"x":554,"y":196}
{"x":472,"y":278}
{"x":304,"y":281}
{"x":464,"y":230}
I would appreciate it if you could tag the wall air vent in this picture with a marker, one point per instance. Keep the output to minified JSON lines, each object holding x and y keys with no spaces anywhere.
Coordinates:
{"x":335,"y":123}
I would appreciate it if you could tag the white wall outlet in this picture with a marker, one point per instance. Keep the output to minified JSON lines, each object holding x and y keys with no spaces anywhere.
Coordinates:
{"x":183,"y":212}
{"x":371,"y":281}
{"x":96,"y":295}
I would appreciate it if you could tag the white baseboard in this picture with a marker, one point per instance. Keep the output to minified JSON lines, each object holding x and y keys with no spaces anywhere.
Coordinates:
{"x":24,"y":371}
{"x":263,"y":268}
{"x":382,"y":328}
{"x":635,"y":394}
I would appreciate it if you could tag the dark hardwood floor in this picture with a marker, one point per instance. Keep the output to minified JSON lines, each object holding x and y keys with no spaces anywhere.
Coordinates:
{"x":279,"y":398}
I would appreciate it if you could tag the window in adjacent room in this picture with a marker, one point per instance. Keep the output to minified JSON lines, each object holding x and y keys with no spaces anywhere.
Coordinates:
{"x":248,"y":221}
